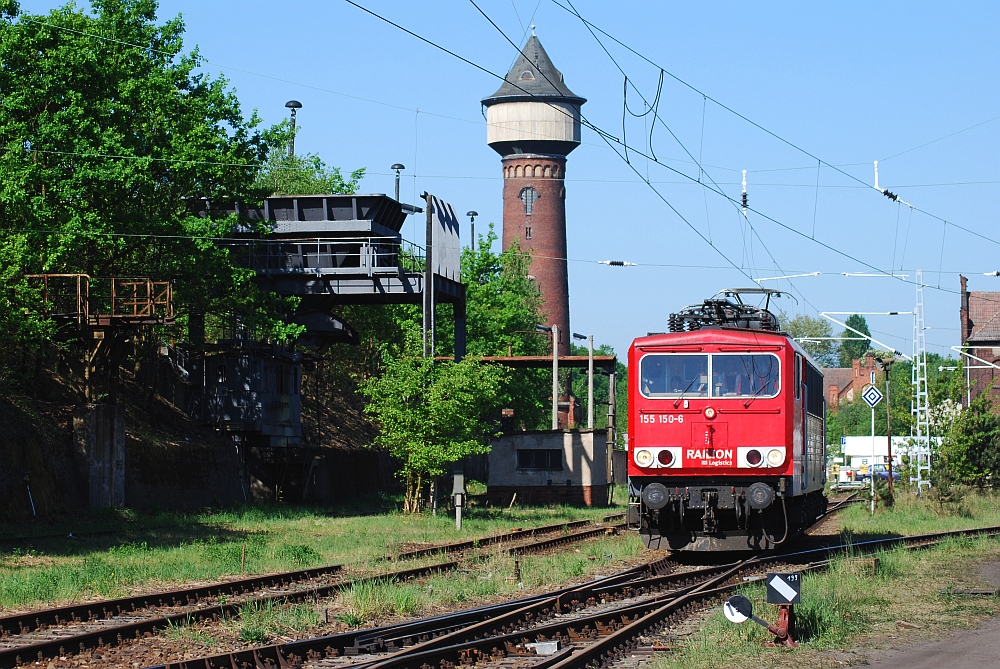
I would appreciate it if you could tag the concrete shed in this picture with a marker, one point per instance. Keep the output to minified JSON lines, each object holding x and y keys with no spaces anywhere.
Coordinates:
{"x":550,"y":467}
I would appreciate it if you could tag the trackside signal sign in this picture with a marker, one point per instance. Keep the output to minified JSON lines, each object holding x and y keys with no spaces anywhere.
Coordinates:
{"x":872,"y":396}
{"x":783,"y":588}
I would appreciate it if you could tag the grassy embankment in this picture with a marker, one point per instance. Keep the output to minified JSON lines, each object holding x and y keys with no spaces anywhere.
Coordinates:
{"x":147,"y":552}
{"x":852,"y":608}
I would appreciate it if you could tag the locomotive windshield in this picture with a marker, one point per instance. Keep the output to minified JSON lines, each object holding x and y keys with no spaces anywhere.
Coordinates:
{"x":673,"y":375}
{"x":733,"y":375}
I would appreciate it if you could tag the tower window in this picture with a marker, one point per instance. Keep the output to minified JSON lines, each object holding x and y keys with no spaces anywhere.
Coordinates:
{"x":528,"y":196}
{"x":527,"y":76}
{"x":527,"y":232}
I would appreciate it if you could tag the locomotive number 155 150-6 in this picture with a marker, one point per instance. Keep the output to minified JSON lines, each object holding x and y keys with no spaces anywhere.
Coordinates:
{"x":661,"y":418}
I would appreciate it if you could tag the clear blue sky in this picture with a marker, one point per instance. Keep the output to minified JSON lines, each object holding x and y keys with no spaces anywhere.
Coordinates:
{"x":848,"y":82}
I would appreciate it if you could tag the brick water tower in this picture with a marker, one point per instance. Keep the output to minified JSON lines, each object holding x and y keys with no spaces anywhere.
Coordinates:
{"x":533,"y":122}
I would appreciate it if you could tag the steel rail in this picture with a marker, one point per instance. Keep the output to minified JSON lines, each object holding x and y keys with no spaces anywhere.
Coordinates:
{"x":459,"y":546}
{"x":373,"y":639}
{"x":545,"y":544}
{"x":108,"y":608}
{"x":69,"y":643}
{"x":501,"y":636}
{"x":615,"y":644}
{"x":616,"y":628}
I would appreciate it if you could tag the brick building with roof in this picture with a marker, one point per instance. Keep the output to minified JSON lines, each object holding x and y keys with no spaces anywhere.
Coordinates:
{"x":980,"y":326}
{"x":844,"y":384}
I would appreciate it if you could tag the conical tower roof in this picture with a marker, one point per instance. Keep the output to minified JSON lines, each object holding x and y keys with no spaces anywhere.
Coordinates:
{"x":533,"y":77}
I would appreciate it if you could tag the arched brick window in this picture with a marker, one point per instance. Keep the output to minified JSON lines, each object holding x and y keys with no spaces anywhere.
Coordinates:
{"x":528,"y":196}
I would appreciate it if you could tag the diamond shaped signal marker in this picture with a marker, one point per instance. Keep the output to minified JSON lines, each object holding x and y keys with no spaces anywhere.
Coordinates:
{"x":872,"y":396}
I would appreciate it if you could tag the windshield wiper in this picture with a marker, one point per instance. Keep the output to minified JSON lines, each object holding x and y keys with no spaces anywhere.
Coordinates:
{"x":681,"y":396}
{"x":754,"y":396}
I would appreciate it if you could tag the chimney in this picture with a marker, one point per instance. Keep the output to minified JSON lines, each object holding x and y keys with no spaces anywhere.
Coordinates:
{"x":832,"y":402}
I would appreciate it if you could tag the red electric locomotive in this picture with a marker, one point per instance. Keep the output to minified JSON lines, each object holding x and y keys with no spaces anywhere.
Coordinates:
{"x":726,"y":435}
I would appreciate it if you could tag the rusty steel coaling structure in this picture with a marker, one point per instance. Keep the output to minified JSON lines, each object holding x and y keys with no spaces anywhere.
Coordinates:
{"x":98,"y":302}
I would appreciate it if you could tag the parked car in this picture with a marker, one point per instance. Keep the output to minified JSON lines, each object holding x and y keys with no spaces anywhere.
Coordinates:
{"x":881,"y":473}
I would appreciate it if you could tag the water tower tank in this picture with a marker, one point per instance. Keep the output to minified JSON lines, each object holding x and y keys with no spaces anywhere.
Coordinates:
{"x":533,"y":111}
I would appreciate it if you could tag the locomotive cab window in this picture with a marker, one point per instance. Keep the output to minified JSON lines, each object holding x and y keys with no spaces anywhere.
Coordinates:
{"x":745,"y":375}
{"x":674,"y":375}
{"x":798,"y":376}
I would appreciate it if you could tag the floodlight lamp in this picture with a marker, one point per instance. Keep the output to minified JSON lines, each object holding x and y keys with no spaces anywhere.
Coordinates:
{"x":577,"y":335}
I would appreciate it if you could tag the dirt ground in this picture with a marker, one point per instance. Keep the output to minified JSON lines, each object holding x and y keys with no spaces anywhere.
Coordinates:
{"x":966,"y":649}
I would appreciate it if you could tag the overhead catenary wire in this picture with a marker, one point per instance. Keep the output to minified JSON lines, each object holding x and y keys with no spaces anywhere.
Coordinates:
{"x":767,"y":131}
{"x":657,"y":117}
{"x":383,"y":103}
{"x":687,"y":181}
{"x":605,"y":136}
{"x":591,"y":27}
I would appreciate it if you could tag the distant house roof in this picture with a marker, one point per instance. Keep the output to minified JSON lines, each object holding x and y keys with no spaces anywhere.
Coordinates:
{"x":836,"y":376}
{"x":533,"y":77}
{"x":984,"y":315}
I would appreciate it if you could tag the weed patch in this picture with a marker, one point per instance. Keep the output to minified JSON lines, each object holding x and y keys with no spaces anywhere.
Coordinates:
{"x":856,"y":603}
{"x":373,"y":600}
{"x":260,"y":622}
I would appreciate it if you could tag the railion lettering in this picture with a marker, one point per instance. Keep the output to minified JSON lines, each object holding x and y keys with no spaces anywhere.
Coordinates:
{"x":709,"y":454}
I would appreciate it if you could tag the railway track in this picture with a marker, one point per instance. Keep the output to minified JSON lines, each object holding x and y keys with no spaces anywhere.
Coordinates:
{"x":68,"y":630}
{"x":579,"y":627}
{"x":507,"y":537}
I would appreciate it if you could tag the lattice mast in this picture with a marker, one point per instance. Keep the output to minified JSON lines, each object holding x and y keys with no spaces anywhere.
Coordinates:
{"x":921,"y":431}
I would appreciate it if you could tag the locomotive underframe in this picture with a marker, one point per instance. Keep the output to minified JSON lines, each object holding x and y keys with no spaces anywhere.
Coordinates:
{"x":715,"y":514}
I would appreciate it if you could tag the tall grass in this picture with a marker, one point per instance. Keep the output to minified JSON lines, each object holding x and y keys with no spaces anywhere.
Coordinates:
{"x":260,"y":622}
{"x":156,"y":550}
{"x":912,"y":515}
{"x":372,"y":600}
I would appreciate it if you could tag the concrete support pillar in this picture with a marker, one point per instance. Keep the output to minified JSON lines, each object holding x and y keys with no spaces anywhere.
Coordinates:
{"x":99,"y":435}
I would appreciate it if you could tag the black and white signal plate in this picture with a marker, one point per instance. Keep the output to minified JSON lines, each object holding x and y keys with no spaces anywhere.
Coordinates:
{"x":784,"y":588}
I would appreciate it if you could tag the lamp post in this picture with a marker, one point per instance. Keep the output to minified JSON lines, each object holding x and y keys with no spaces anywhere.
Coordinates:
{"x":472,"y":227}
{"x":590,"y":378}
{"x":293,"y":105}
{"x":397,"y":167}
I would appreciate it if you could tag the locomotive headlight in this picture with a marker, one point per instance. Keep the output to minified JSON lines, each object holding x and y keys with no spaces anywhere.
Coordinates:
{"x":643,"y":458}
{"x":775,"y":457}
{"x":665,"y":457}
{"x":754,"y":457}
{"x":709,"y":413}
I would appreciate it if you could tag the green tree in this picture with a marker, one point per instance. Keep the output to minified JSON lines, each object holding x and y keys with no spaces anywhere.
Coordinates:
{"x":971,"y":449}
{"x":431,"y":414}
{"x":296,"y":175}
{"x":503,"y":307}
{"x":854,"y":347}
{"x":823,"y":350}
{"x":107,"y":131}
